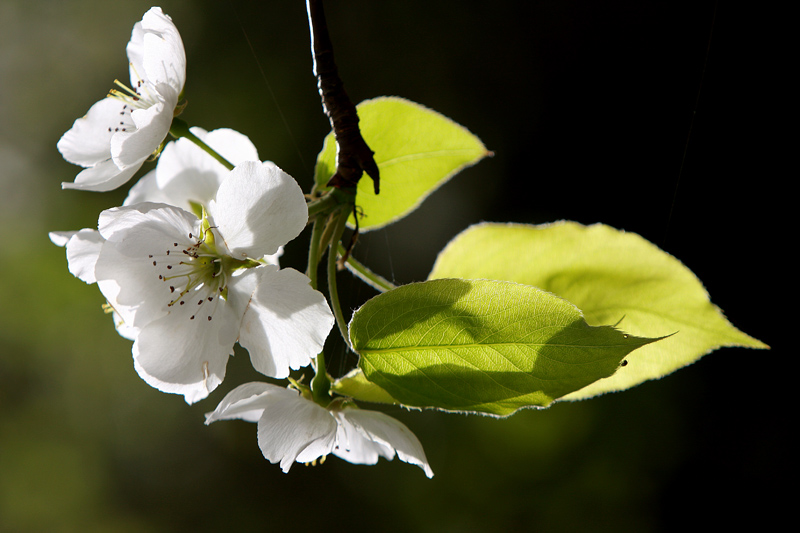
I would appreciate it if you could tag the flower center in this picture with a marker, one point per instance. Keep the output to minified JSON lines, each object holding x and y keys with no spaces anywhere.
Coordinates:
{"x":196,"y":276}
{"x":138,"y":97}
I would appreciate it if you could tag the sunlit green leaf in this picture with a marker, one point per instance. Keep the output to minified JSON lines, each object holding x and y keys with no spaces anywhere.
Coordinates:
{"x":482,"y":346}
{"x":416,"y":149}
{"x":614,"y":278}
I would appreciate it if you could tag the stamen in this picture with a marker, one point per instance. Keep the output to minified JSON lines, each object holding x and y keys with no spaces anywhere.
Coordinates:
{"x":318,"y":461}
{"x":139,"y":98}
{"x":131,"y":95}
{"x":197,"y":271}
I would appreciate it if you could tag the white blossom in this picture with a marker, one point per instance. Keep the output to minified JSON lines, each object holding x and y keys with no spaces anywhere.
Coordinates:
{"x":292,"y":428}
{"x":186,"y":289}
{"x":121,"y":131}
{"x":185,"y":176}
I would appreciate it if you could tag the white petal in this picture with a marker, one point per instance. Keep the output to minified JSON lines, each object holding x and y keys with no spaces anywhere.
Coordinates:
{"x":87,"y":143}
{"x":187,"y":173}
{"x":61,"y":238}
{"x":135,"y":51}
{"x":244,"y":402}
{"x":164,"y":58}
{"x":105,"y":176}
{"x":390,"y":432}
{"x":123,"y":316}
{"x":354,"y":447}
{"x":83,"y":249}
{"x":286,"y":322}
{"x":125,"y":329}
{"x":293,"y":428}
{"x":131,"y":148}
{"x":274,"y":259}
{"x":125,"y":271}
{"x":230,"y":144}
{"x":126,"y":222}
{"x":259,"y":208}
{"x":146,"y":190}
{"x":183,"y":352}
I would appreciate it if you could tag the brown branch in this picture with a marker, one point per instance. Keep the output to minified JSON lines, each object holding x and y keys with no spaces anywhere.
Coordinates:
{"x":355,"y":157}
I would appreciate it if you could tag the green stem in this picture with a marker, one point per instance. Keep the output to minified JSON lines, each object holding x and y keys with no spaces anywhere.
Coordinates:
{"x":329,"y":201}
{"x":366,"y":275}
{"x":322,"y":205}
{"x":180,"y":129}
{"x":314,"y":252}
{"x":340,"y":222}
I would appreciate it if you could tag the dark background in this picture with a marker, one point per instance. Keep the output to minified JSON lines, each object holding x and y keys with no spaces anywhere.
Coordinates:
{"x":588,"y":107}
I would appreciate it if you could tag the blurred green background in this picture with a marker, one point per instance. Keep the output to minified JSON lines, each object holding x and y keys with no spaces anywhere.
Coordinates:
{"x":587,"y":106}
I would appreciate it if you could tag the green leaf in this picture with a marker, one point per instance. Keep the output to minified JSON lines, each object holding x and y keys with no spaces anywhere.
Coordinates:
{"x":614,"y":278}
{"x":481,"y":346}
{"x":416,"y":149}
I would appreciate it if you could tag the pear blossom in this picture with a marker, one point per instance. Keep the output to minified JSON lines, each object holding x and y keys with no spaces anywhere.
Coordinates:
{"x":185,"y":289}
{"x":122,"y":130}
{"x":185,"y":176}
{"x":292,"y":428}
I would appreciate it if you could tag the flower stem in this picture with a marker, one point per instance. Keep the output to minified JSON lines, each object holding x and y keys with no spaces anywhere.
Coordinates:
{"x":322,"y":205}
{"x":341,"y":220}
{"x":330,"y":201}
{"x":180,"y":129}
{"x":366,"y":275}
{"x":314,"y":253}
